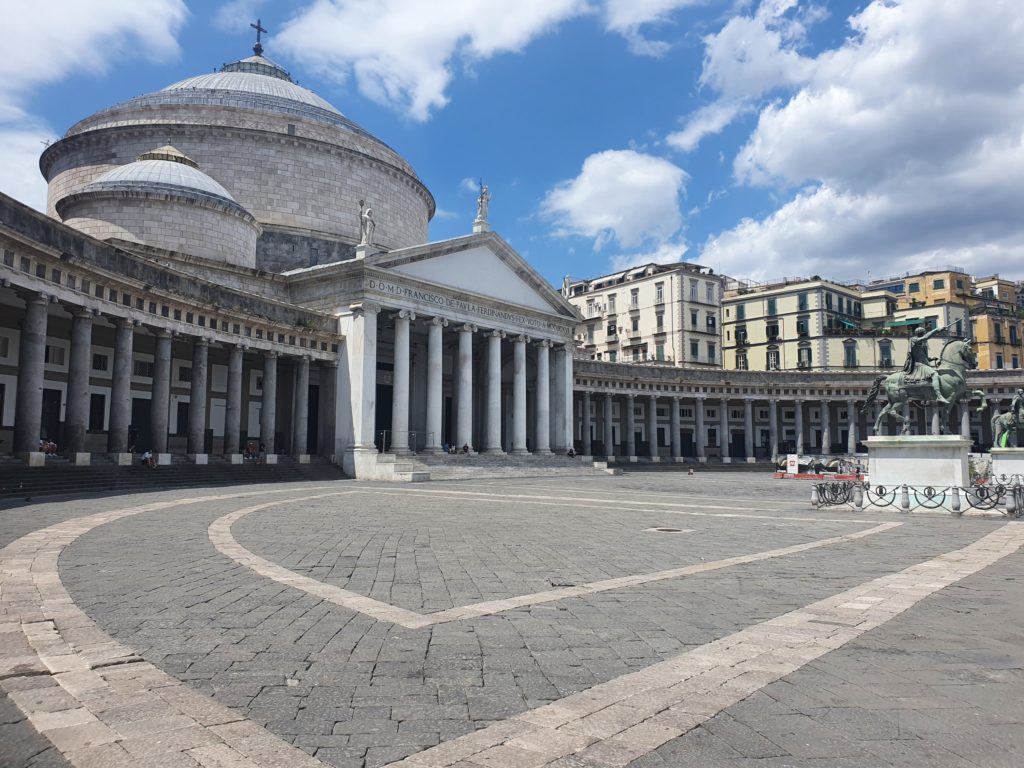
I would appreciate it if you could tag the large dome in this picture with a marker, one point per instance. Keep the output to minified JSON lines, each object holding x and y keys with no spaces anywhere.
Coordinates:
{"x":282,"y":152}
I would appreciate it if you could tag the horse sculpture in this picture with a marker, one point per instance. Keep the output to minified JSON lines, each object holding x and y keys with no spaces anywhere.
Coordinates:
{"x":955,"y":359}
{"x":1004,"y":430}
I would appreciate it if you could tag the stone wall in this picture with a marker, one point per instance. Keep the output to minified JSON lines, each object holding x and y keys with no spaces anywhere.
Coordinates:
{"x":172,"y":225}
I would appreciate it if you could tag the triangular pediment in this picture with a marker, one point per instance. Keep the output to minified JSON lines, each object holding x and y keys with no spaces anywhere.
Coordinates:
{"x":484,"y":265}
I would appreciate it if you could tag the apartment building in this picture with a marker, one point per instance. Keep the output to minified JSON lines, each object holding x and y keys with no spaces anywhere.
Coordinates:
{"x":655,"y":313}
{"x":996,"y":323}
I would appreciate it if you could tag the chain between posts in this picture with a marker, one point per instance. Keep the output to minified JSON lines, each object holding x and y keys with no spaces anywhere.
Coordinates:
{"x":1005,"y":494}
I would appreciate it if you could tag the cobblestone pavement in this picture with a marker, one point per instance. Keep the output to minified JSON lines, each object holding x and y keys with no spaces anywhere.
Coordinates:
{"x":512,"y":623}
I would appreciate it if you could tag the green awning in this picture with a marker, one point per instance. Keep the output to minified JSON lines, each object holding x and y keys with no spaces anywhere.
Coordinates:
{"x":847,"y":323}
{"x":909,"y":321}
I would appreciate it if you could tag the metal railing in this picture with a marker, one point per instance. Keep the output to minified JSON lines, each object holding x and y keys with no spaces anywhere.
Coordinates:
{"x":418,"y":441}
{"x":1005,"y":495}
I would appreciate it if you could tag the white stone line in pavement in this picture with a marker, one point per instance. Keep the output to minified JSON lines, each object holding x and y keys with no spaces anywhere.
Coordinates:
{"x":631,"y":493}
{"x":674,"y":508}
{"x":225,"y":543}
{"x":614,"y":723}
{"x":93,"y":677}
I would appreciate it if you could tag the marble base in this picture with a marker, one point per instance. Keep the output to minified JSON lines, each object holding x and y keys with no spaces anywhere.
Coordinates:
{"x":81,"y":459}
{"x":33,"y":458}
{"x":199,"y":458}
{"x":122,"y":459}
{"x":234,"y":458}
{"x":302,"y":458}
{"x":163,"y":459}
{"x":270,"y":458}
{"x":656,"y":459}
{"x":1007,"y":462}
{"x":938,"y":461}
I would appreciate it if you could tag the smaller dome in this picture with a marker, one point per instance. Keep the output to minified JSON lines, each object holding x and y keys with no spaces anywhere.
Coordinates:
{"x":164,"y":170}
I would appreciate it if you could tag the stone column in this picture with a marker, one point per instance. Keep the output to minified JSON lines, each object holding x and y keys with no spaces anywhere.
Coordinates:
{"x":76,"y":415}
{"x":435,"y":383}
{"x":233,"y":412}
{"x":519,"y":395}
{"x":121,"y":388}
{"x":798,"y":409}
{"x":586,"y":445}
{"x":197,"y":399}
{"x":674,"y":440}
{"x":464,"y":420}
{"x":936,"y":419}
{"x":159,"y":411}
{"x":543,"y":409}
{"x":851,"y":429}
{"x":329,"y":408}
{"x":609,"y":434}
{"x":701,"y":435}
{"x":300,"y":422}
{"x":268,"y":408}
{"x":723,"y":431}
{"x":773,"y":429}
{"x":630,"y":427}
{"x":564,"y":433}
{"x":748,"y":429}
{"x":652,"y":427}
{"x":357,"y":390}
{"x":826,"y":427}
{"x":28,"y":404}
{"x":965,"y":420}
{"x":400,"y":384}
{"x":494,"y":392}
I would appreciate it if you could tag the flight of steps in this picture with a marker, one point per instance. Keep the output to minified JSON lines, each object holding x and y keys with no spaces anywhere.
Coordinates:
{"x":461,"y":466}
{"x":643,"y":464}
{"x":60,"y":477}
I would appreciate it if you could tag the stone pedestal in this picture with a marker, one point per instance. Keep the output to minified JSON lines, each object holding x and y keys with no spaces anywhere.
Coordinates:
{"x":302,"y":458}
{"x":163,"y":459}
{"x":938,"y":461}
{"x":122,"y":459}
{"x":199,"y":458}
{"x":271,"y":458}
{"x":234,"y":458}
{"x":33,"y":458}
{"x":1008,"y":463}
{"x":80,"y":459}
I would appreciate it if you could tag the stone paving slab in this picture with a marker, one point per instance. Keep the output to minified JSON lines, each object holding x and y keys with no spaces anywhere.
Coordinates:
{"x":316,"y":679}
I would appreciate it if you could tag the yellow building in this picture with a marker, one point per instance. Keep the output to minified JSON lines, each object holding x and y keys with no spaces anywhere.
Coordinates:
{"x":996,"y":323}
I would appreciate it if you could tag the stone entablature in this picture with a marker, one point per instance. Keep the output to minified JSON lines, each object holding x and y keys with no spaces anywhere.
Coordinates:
{"x":45,"y":257}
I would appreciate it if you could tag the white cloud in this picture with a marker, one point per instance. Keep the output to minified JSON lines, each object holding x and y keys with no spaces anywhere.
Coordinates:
{"x":70,"y":37}
{"x":705,"y":121}
{"x":908,"y":153}
{"x":665,"y":253}
{"x":626,"y":17}
{"x":401,"y":52}
{"x":619,"y":195}
{"x":237,"y":15}
{"x":470,"y":185}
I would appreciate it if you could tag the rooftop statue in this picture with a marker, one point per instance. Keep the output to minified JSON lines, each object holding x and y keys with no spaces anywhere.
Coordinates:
{"x":366,"y":224}
{"x":925,"y":380}
{"x":483,"y":202}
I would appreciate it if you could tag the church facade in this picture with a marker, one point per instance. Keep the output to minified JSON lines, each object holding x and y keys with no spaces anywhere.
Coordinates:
{"x":230,"y":265}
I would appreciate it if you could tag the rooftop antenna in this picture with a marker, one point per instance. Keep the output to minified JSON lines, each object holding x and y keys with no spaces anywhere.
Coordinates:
{"x":258,"y":48}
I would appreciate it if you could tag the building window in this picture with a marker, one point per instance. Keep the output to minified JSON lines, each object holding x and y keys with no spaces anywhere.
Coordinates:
{"x":1013,"y":335}
{"x":659,"y":351}
{"x":772,"y":308}
{"x":693,"y":320}
{"x":998,"y":328}
{"x":634,"y":324}
{"x":803,"y":326}
{"x":53,"y":355}
{"x":711,"y":322}
{"x":850,"y":354}
{"x":803,"y":356}
{"x":611,"y":328}
{"x":100,"y":362}
{"x":636,"y":354}
{"x":741,"y":334}
{"x":711,"y":351}
{"x":885,"y":354}
{"x":184,"y":373}
{"x":914,"y":288}
{"x":772,"y":359}
{"x":801,"y":301}
{"x":659,"y":293}
{"x":5,"y":346}
{"x":695,"y":350}
{"x":612,"y":356}
{"x":772,"y":329}
{"x":938,"y":283}
{"x":741,"y":361}
{"x":634,"y":298}
{"x":828,"y":300}
{"x":611,"y":303}
{"x":661,"y":321}
{"x":1016,"y":361}
{"x":711,"y":293}
{"x":590,"y":334}
{"x":999,"y":360}
{"x":741,"y":311}
{"x":694,"y":287}
{"x":590,"y":308}
{"x":142,"y":368}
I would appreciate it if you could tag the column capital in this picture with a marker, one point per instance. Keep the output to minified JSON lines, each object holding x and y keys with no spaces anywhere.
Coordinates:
{"x":271,"y":353}
{"x":161,"y":333}
{"x":365,"y":307}
{"x":86,"y":313}
{"x":439,"y":321}
{"x":403,"y":314}
{"x":468,"y":328}
{"x":201,"y":341}
{"x":124,"y":322}
{"x":545,"y":343}
{"x":521,"y":339}
{"x":630,"y":396}
{"x":496,"y":333}
{"x":35,"y":297}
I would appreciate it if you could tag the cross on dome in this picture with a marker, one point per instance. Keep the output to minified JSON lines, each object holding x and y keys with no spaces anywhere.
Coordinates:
{"x":258,"y":26}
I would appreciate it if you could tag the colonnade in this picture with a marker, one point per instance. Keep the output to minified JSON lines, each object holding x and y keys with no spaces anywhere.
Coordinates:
{"x":31,"y":383}
{"x":606,"y":425}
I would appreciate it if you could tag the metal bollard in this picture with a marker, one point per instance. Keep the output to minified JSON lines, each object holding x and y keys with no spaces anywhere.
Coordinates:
{"x":814,"y":495}
{"x":1011,"y":502}
{"x":905,"y":500}
{"x":956,"y":500}
{"x":858,"y":497}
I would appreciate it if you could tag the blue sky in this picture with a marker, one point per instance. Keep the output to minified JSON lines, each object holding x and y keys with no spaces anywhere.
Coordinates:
{"x":764,"y":138}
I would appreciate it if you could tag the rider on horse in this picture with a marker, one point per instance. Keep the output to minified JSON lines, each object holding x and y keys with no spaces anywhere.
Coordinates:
{"x":1017,"y":405}
{"x":918,"y":368}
